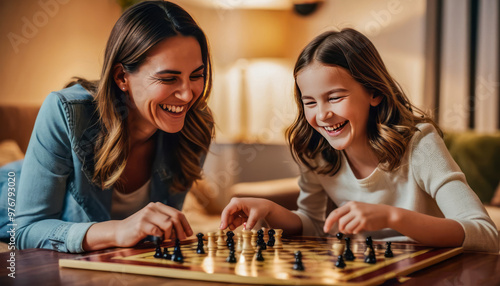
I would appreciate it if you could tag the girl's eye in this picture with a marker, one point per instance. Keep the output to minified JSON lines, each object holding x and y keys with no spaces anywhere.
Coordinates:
{"x":335,"y":98}
{"x":309,"y":103}
{"x":197,"y":76}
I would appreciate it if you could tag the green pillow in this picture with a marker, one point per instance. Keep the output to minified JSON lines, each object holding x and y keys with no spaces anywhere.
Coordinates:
{"x":478,"y":155}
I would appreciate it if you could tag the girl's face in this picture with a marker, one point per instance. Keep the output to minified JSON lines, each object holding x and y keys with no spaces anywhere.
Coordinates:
{"x":166,"y":85}
{"x":335,"y":104}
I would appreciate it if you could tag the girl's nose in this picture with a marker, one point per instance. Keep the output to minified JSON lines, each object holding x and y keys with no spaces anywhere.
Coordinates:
{"x":324,"y":114}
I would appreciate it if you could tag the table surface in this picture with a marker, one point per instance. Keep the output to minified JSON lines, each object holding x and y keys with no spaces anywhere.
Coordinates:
{"x":40,"y":267}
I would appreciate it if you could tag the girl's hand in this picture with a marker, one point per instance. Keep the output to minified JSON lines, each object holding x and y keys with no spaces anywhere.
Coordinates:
{"x":154,"y":219}
{"x":355,"y":217}
{"x":240,"y":210}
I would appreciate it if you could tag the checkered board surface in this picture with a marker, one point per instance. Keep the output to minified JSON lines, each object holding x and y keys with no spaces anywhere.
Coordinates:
{"x":276,"y":269}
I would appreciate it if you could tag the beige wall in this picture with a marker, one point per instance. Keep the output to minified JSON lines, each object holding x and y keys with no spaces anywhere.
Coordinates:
{"x":397,"y":28}
{"x":46,"y":42}
{"x":69,"y":38}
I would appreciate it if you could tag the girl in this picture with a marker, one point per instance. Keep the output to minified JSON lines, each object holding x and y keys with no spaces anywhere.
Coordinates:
{"x":110,"y":162}
{"x":362,"y":144}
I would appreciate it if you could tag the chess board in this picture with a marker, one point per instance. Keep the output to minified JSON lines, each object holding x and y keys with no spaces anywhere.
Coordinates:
{"x":277,"y":268}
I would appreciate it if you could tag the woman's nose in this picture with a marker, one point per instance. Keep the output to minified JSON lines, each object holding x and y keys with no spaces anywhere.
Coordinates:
{"x":184,"y":93}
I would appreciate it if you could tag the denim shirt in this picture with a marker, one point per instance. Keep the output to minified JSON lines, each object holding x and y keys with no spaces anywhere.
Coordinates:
{"x":56,"y":200}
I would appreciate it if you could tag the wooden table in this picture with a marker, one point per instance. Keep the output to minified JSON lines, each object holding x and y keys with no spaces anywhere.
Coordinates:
{"x":40,"y":267}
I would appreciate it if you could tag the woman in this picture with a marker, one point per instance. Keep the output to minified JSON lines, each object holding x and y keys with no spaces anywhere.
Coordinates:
{"x":110,"y":162}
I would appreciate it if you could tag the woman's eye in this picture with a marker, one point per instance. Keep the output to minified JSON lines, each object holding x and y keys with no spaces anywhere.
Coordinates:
{"x":166,"y":80}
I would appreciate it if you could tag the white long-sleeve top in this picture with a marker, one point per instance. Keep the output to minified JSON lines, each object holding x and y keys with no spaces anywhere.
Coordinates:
{"x":427,"y":181}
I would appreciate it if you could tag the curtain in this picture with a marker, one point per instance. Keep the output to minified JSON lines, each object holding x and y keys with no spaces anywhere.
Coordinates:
{"x":462,"y":64}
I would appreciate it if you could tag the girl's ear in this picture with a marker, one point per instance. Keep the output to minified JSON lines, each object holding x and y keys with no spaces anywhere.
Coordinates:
{"x":119,"y":77}
{"x":375,"y":99}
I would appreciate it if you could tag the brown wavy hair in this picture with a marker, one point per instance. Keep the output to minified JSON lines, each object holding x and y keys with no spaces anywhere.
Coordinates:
{"x":391,"y":123}
{"x":140,"y":28}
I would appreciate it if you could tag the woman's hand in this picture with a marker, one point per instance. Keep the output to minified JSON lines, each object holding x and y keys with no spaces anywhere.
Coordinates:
{"x":154,"y":219}
{"x":240,"y":210}
{"x":355,"y":217}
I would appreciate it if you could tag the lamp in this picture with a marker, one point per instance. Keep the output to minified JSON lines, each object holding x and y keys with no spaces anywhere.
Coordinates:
{"x":306,"y":7}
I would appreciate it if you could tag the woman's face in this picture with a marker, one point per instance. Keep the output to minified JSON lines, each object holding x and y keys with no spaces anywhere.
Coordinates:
{"x":166,"y":85}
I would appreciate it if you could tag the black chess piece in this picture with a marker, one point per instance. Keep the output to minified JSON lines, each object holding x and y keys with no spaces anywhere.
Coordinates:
{"x":177,"y":254}
{"x":229,"y":239}
{"x":158,"y":253}
{"x":371,"y":259}
{"x":369,"y":241}
{"x":231,"y":258}
{"x":271,"y":240}
{"x":298,"y":262}
{"x":388,"y":251}
{"x":258,"y":255}
{"x":260,"y":239}
{"x":166,"y":255}
{"x":348,"y":255}
{"x":339,"y":236}
{"x":340,"y":262}
{"x":200,"y":249}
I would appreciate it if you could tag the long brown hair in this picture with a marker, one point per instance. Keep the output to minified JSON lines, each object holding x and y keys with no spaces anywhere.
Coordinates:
{"x":137,"y":30}
{"x":391,"y":124}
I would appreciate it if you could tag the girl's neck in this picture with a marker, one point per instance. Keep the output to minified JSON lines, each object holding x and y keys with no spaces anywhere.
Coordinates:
{"x":362,"y":160}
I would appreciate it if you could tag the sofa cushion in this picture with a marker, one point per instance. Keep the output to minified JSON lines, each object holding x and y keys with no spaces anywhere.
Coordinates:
{"x":9,"y":152}
{"x":478,"y":155}
{"x":17,"y":123}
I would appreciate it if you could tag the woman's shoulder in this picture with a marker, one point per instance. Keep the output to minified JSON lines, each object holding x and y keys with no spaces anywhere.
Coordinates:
{"x":74,"y":94}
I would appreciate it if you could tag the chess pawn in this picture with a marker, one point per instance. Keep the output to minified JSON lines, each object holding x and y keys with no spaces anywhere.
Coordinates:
{"x":231,"y":258}
{"x":338,"y":248}
{"x":298,"y":262}
{"x":258,"y":255}
{"x":371,"y":259}
{"x":212,"y":246}
{"x":158,"y":253}
{"x":278,"y":244}
{"x":254,"y":238}
{"x":271,"y":240}
{"x":247,"y":243}
{"x":348,"y":255}
{"x":200,"y":249}
{"x":388,"y":251}
{"x":340,"y":262}
{"x":239,"y":242}
{"x":221,"y":241}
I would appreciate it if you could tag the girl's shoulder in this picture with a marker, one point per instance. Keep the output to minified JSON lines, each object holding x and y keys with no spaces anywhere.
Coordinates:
{"x":425,"y":132}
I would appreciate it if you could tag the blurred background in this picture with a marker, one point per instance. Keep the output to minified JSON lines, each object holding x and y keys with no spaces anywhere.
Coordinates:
{"x":444,"y":53}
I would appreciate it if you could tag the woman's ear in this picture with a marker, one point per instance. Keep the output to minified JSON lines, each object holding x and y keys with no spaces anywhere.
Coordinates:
{"x":375,"y":99}
{"x":119,"y":77}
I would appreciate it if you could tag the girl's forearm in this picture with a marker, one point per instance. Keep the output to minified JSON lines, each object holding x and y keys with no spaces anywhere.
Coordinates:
{"x":280,"y":217}
{"x":426,"y":229}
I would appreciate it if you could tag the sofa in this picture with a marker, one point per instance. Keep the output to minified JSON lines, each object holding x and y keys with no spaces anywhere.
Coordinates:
{"x":267,"y":170}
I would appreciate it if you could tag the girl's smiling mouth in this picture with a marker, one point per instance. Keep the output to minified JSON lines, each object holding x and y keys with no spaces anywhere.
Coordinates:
{"x":336,"y":128}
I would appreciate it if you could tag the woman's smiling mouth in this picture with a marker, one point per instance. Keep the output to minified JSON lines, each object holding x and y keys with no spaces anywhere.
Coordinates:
{"x":173,"y":108}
